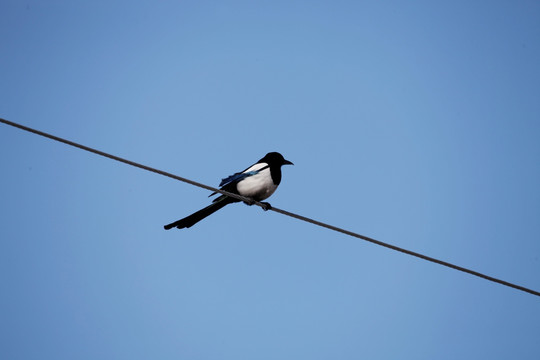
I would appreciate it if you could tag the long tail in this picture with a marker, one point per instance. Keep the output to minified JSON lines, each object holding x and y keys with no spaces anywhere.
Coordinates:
{"x":194,"y":218}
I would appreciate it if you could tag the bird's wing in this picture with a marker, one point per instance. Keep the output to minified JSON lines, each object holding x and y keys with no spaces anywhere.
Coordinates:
{"x":250,"y":171}
{"x":237,"y":177}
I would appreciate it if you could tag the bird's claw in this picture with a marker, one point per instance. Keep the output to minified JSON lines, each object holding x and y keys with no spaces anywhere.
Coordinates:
{"x":266,"y":206}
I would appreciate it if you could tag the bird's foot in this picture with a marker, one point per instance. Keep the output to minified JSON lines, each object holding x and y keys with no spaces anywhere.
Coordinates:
{"x":266,"y":206}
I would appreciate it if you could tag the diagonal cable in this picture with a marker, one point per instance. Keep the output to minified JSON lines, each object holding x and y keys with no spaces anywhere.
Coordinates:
{"x":284,"y":212}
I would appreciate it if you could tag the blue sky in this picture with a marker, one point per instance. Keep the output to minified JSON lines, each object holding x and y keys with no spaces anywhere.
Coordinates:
{"x":415,"y":123}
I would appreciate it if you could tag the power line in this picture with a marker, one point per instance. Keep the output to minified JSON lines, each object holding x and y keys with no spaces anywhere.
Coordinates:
{"x":284,"y":212}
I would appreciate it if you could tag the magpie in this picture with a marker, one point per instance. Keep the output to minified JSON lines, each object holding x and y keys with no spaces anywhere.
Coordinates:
{"x":257,"y":182}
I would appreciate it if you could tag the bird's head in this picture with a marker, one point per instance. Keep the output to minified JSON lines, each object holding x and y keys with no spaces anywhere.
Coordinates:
{"x":275,"y":159}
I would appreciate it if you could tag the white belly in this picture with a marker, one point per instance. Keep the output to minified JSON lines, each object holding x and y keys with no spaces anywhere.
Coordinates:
{"x":259,"y":186}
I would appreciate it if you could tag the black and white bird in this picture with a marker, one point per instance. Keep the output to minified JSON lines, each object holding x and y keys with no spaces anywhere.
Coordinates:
{"x":257,"y":182}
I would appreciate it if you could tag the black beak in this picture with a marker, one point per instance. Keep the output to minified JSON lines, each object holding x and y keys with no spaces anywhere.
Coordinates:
{"x":287,"y":162}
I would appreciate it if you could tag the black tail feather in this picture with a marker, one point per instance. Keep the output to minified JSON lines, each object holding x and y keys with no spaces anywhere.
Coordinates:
{"x":194,"y":218}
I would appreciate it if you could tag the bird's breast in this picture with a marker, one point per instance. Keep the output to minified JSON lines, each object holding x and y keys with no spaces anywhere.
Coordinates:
{"x":258,"y":187}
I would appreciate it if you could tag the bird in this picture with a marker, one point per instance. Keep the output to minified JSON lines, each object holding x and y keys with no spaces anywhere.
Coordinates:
{"x":257,"y":183}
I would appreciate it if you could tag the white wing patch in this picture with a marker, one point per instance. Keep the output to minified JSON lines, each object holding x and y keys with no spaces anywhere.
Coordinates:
{"x":259,"y":186}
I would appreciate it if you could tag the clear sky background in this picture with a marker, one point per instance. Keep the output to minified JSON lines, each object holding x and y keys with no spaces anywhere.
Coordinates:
{"x":416,"y":123}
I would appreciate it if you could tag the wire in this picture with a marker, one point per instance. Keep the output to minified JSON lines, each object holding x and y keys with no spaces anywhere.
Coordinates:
{"x":284,"y":212}
{"x":125,"y":161}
